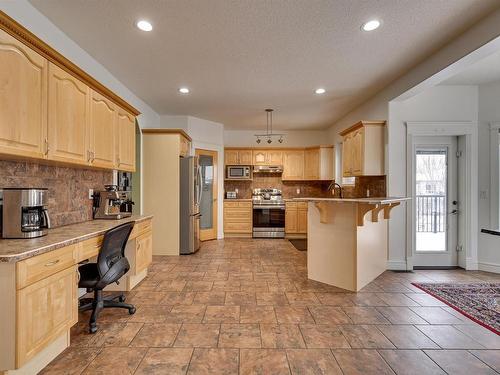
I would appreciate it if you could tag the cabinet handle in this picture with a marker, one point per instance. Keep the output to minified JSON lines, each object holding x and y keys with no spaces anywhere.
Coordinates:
{"x":46,"y":146}
{"x":88,"y":156}
{"x":78,"y":276}
{"x":118,"y":160}
{"x":53,"y":263}
{"x":93,"y":156}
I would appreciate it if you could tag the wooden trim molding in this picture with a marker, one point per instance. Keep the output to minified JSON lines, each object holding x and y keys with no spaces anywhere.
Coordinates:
{"x":360,"y":124}
{"x":166,"y":131}
{"x":25,"y":36}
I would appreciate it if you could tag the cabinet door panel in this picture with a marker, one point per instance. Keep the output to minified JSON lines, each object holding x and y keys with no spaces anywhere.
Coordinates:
{"x":103,"y":120}
{"x":291,"y":220}
{"x":23,"y":99}
{"x":69,"y":117}
{"x":125,"y":134}
{"x":311,"y":162}
{"x":245,"y":157}
{"x":293,"y":165}
{"x":231,"y":157}
{"x":260,"y":158}
{"x":347,"y":156}
{"x":357,"y":152}
{"x":45,"y":310}
{"x":302,"y":220}
{"x":144,"y":252}
{"x":275,"y":157}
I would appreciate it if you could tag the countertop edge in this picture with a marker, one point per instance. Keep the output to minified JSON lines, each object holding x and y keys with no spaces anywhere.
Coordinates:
{"x":356,"y":200}
{"x":57,"y":245}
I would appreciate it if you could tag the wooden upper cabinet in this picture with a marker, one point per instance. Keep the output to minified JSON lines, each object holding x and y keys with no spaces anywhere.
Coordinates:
{"x":125,"y":136}
{"x":245,"y":157}
{"x":238,"y":157}
{"x":260,"y":157}
{"x":23,"y":99}
{"x":311,"y":164}
{"x":267,"y":157}
{"x":103,"y":116}
{"x":68,"y":118}
{"x":185,"y":146}
{"x":363,"y":149}
{"x":293,"y":165}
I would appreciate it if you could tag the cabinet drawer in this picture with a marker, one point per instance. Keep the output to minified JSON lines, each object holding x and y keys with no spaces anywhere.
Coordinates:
{"x":44,"y":265}
{"x":290,"y":205}
{"x":245,"y":204}
{"x":302,"y":205}
{"x":237,"y":227}
{"x":238,"y":214}
{"x":230,"y":204}
{"x":140,"y":228}
{"x":89,"y":248}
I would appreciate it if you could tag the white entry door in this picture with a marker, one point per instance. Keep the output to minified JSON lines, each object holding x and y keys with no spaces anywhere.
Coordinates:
{"x":435,"y":202}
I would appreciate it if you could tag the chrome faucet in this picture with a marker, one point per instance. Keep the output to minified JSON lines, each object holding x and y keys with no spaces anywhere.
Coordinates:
{"x":332,"y":187}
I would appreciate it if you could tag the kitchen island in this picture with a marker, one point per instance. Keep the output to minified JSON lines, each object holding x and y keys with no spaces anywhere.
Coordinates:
{"x":348,"y":239}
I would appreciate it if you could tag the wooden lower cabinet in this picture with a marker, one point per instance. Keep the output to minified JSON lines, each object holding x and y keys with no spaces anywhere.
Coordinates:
{"x":238,"y":218}
{"x":143,"y":252}
{"x":45,"y":310}
{"x":296,"y":218}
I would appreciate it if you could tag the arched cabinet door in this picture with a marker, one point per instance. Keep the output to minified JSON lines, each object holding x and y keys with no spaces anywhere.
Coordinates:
{"x":23,"y":99}
{"x":103,"y":117}
{"x":125,"y":135}
{"x":69,"y":117}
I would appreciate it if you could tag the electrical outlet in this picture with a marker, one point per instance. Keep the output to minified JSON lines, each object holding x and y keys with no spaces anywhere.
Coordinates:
{"x":91,"y":193}
{"x":237,"y":191}
{"x":483,"y":194}
{"x":298,"y":191}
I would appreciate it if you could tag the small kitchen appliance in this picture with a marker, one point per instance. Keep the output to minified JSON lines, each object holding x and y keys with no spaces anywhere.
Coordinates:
{"x":112,"y":204}
{"x":268,"y":213}
{"x":231,"y":195}
{"x":23,"y":213}
{"x":239,"y":172}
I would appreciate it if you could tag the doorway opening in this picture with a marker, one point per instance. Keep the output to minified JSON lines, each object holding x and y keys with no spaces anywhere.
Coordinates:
{"x":207,"y":160}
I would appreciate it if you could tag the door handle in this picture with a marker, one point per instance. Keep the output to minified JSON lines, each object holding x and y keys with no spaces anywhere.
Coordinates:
{"x":453,"y":212}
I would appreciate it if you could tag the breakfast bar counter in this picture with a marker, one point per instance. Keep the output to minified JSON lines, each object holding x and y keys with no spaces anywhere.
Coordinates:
{"x":348,"y":239}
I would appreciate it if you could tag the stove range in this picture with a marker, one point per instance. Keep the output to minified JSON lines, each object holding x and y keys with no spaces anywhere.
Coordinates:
{"x":268,"y":213}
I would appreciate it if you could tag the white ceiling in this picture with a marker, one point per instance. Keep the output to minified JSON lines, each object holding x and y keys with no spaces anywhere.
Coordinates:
{"x":239,"y":57}
{"x":483,"y":71}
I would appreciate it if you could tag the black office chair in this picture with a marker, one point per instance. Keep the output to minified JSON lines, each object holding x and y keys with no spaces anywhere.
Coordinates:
{"x":110,"y":267}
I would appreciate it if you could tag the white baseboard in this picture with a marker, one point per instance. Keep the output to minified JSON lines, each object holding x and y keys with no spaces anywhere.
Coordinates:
{"x":396,"y":265}
{"x":471,"y":265}
{"x":489,"y":267}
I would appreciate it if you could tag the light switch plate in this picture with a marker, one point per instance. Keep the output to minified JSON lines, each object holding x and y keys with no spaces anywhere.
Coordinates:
{"x":91,"y":193}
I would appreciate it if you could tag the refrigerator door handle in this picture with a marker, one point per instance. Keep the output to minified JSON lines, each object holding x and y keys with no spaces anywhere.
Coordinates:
{"x":200,"y":188}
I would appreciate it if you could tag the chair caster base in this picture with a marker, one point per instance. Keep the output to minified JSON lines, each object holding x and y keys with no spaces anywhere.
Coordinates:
{"x":131,"y":311}
{"x":93,"y":328}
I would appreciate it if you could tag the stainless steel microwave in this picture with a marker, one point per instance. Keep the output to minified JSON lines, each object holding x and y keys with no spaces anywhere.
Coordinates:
{"x":239,"y":172}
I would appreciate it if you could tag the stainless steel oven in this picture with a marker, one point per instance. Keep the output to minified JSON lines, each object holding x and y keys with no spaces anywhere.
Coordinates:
{"x":238,"y":172}
{"x":268,"y":221}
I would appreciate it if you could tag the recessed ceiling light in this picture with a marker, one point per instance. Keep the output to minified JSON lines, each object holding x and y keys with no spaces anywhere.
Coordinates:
{"x":370,"y":25}
{"x":320,"y":91}
{"x":144,"y":25}
{"x":184,"y":90}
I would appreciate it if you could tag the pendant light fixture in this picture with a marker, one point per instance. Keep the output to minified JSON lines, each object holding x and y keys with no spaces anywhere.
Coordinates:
{"x":269,"y":130}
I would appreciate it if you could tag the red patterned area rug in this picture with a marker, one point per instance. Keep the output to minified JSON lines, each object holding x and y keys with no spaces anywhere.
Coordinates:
{"x":477,"y":301}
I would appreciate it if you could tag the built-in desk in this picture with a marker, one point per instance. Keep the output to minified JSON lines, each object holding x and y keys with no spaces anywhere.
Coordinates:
{"x":39,"y":292}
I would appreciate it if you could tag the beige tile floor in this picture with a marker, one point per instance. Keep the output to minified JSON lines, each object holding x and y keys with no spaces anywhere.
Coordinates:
{"x":247,"y":307}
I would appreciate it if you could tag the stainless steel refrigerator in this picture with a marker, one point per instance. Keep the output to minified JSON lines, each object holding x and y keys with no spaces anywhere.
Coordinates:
{"x":190,"y":197}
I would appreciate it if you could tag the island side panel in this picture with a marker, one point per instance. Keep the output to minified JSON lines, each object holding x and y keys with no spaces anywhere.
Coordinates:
{"x":8,"y":316}
{"x":331,"y":248}
{"x":371,"y":249}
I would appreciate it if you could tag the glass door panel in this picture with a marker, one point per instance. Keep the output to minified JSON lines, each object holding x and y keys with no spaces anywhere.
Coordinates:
{"x":208,"y":205}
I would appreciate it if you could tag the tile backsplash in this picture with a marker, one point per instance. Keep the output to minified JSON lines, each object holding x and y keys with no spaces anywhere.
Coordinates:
{"x":68,"y":187}
{"x":316,"y":189}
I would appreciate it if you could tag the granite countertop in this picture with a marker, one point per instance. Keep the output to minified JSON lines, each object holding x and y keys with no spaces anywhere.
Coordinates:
{"x":371,"y":200}
{"x":14,"y":250}
{"x":237,"y":199}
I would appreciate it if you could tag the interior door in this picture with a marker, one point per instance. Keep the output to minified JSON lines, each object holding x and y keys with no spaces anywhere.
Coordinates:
{"x":207,"y":160}
{"x":435,"y":202}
